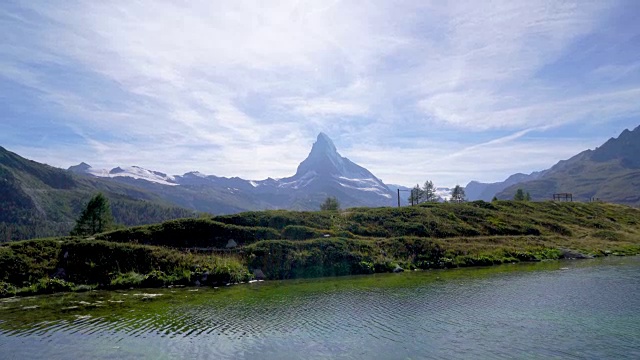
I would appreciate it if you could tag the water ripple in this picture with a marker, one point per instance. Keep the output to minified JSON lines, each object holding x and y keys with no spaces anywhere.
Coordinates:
{"x":583,"y":312}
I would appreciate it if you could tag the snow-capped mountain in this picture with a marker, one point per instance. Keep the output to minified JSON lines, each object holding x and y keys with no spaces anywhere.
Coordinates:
{"x":133,"y":172}
{"x":325,"y":166}
{"x":323,"y":173}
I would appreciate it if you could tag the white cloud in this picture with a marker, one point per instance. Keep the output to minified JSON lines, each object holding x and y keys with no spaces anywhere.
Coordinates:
{"x":439,"y":161}
{"x":324,"y":106}
{"x":241,"y":88}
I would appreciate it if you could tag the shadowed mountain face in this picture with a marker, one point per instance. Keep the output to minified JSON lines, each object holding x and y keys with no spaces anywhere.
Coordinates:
{"x":625,"y":148}
{"x":610,"y":173}
{"x":325,"y":160}
{"x":38,"y":200}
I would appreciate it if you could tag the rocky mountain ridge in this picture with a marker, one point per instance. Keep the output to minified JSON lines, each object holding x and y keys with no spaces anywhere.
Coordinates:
{"x":323,"y":173}
{"x":610,"y":173}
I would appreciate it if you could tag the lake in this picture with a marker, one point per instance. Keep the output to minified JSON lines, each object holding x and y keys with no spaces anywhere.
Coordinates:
{"x":588,"y":309}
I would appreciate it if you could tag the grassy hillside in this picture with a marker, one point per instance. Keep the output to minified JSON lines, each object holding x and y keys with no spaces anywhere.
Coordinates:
{"x":288,"y":244}
{"x":433,"y":221}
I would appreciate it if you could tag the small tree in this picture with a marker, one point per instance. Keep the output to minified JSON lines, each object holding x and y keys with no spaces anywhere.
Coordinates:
{"x":429,"y":191}
{"x":95,"y":218}
{"x":330,"y":203}
{"x":519,"y":196}
{"x":495,"y":198}
{"x":457,"y":195}
{"x":416,"y":195}
{"x":527,"y":196}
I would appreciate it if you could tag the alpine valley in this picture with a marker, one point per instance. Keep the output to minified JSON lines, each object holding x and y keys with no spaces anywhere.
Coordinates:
{"x":38,"y":200}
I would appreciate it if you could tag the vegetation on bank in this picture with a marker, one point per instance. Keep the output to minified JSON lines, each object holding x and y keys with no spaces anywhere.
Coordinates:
{"x":288,"y":244}
{"x":65,"y":264}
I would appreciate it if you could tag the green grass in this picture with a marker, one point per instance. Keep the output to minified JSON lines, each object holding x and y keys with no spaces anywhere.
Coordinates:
{"x":190,"y":233}
{"x":289,"y":244}
{"x":36,"y":266}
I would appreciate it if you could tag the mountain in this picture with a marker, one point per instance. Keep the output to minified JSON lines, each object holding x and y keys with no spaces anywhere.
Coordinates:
{"x":133,"y":172}
{"x":38,"y":200}
{"x":323,"y":173}
{"x":326,"y":173}
{"x":610,"y":173}
{"x":486,"y":191}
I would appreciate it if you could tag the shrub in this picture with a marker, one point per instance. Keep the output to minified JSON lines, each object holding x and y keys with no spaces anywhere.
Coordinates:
{"x":298,"y":232}
{"x":186,"y":233}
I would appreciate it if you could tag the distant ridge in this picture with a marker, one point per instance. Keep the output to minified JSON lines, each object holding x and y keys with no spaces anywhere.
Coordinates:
{"x":610,"y":173}
{"x":486,"y":191}
{"x":323,"y":173}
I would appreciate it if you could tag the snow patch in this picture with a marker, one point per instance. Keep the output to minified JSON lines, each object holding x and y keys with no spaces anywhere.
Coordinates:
{"x":301,"y":182}
{"x":375,"y":189}
{"x":196,"y":173}
{"x":135,"y":172}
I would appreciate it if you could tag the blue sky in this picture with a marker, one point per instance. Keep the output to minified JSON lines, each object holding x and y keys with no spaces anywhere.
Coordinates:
{"x":412,"y":90}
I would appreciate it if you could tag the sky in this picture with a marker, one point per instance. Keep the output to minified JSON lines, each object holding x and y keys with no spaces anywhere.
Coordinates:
{"x":448,"y":91}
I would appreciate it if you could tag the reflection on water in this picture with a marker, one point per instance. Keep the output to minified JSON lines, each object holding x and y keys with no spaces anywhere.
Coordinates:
{"x":582,"y":309}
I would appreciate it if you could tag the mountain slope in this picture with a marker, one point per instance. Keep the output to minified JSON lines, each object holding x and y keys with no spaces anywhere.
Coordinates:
{"x":610,"y":173}
{"x":486,"y":191}
{"x":38,"y":200}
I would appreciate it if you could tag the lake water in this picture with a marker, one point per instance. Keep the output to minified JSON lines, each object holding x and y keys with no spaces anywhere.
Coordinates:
{"x":586,"y":309}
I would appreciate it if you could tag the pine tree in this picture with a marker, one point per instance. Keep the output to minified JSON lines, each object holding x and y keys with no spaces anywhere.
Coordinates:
{"x":416,"y":196}
{"x":527,"y":196}
{"x":429,"y":191}
{"x":95,"y":218}
{"x":519,"y":196}
{"x":457,"y":195}
{"x":330,"y":203}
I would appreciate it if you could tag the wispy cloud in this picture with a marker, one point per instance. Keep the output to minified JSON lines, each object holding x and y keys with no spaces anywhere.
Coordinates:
{"x":241,"y":88}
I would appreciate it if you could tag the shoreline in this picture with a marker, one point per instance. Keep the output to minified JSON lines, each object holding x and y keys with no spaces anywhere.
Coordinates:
{"x":159,"y":280}
{"x":269,"y":245}
{"x":148,"y":293}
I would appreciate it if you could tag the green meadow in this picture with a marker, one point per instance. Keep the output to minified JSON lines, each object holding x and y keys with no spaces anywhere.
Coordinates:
{"x":281,"y":244}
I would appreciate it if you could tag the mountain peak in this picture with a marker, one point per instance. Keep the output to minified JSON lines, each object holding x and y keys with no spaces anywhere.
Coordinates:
{"x":624,"y":148}
{"x":325,"y":171}
{"x":80,"y":168}
{"x":324,"y":144}
{"x":323,"y":158}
